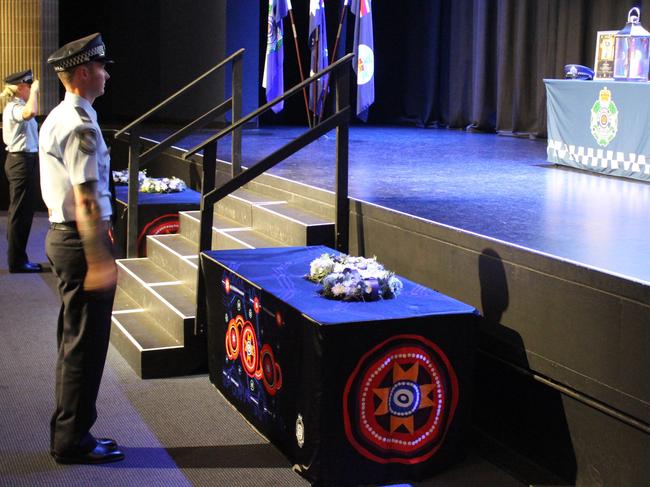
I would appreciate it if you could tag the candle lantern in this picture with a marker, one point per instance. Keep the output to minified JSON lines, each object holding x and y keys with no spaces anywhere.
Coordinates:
{"x":632,"y":50}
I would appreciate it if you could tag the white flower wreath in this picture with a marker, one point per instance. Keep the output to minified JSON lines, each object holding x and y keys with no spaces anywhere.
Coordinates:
{"x":151,"y":185}
{"x":353,"y":278}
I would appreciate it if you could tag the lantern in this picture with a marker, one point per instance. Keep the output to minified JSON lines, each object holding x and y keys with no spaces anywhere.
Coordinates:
{"x":632,"y":50}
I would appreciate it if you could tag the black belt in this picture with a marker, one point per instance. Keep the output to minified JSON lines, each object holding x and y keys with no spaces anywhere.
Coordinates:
{"x":72,"y":226}
{"x":24,"y":153}
{"x":65,"y":226}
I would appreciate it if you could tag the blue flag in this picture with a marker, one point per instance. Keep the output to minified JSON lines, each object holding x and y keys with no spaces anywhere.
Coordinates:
{"x":273,"y":79}
{"x":364,"y":56}
{"x":319,"y":54}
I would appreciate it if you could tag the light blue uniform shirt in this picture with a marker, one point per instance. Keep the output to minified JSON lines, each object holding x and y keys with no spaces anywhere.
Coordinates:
{"x":18,"y":134}
{"x":72,"y":151}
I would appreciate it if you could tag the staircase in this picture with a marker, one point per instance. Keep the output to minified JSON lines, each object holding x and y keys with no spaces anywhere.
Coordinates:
{"x":154,"y":311}
{"x":155,"y":304}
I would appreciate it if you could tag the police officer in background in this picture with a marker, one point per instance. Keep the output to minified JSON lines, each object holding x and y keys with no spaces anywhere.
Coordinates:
{"x":75,"y":168}
{"x":20,"y":135}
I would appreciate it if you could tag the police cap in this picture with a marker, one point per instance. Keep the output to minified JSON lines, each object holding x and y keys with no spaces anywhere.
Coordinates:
{"x":81,"y":51}
{"x":21,"y":77}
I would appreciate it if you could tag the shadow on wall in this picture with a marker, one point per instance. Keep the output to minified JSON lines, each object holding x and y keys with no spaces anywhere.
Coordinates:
{"x":511,"y":409}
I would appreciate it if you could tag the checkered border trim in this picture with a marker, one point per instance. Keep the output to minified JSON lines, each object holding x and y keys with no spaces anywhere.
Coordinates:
{"x":598,"y":159}
{"x":78,"y":59}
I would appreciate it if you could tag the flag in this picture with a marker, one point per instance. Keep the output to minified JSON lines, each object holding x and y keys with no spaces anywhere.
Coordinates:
{"x":273,"y":79}
{"x":319,"y":54}
{"x":364,"y":56}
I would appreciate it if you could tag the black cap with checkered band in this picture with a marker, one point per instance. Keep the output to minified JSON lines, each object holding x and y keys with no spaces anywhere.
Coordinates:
{"x":20,"y":77}
{"x":81,"y":51}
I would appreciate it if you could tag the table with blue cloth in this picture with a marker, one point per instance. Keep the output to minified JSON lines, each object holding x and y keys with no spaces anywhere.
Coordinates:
{"x":351,"y":392}
{"x":600,"y":126}
{"x":157,"y":214}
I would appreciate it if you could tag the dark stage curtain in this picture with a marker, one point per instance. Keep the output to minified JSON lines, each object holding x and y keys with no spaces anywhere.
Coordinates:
{"x":480,"y":64}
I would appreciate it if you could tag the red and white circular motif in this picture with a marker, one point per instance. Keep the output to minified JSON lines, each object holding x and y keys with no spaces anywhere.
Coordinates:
{"x":249,"y":351}
{"x":400,"y":400}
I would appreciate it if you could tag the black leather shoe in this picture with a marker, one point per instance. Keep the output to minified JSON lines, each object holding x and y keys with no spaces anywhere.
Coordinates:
{"x":109,"y":443}
{"x":27,"y":267}
{"x":100,"y":454}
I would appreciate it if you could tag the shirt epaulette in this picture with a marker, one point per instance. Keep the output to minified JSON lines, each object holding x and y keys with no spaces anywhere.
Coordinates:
{"x":83,"y":115}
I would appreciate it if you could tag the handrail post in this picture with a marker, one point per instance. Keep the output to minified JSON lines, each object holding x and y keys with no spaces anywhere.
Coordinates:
{"x":236,"y":110}
{"x":134,"y":187}
{"x":205,"y":230}
{"x":342,"y":133}
{"x":207,"y":185}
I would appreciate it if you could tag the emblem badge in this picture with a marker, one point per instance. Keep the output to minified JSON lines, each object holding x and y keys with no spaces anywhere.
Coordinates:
{"x":604,"y":118}
{"x":300,"y":431}
{"x":365,"y":64}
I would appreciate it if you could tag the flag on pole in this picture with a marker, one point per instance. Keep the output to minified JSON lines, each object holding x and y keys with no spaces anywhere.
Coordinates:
{"x":273,"y":79}
{"x":319,"y":54}
{"x":364,"y":56}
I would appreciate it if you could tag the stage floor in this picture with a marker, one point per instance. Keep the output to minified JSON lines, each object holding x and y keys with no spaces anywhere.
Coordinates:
{"x":495,"y":186}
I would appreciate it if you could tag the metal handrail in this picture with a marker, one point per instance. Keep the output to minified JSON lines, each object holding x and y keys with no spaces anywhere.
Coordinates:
{"x":137,"y":159}
{"x":211,"y":194}
{"x":337,"y":66}
{"x":200,"y":122}
{"x":162,"y":104}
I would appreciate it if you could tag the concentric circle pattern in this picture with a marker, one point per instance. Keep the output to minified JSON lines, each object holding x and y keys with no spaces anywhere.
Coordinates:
{"x":400,"y":400}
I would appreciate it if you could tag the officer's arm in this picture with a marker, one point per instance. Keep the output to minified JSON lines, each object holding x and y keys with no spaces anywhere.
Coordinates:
{"x":101,"y":273}
{"x":30,"y":110}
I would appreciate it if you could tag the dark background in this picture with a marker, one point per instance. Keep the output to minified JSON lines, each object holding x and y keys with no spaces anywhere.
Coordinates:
{"x":466,"y":64}
{"x":475,"y":64}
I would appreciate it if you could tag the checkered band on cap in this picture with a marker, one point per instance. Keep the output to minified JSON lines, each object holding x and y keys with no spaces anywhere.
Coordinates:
{"x":81,"y":58}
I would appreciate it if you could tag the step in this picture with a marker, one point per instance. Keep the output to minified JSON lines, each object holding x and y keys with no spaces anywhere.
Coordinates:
{"x":238,"y":206}
{"x":293,"y":226}
{"x":190,"y":224}
{"x":123,"y":302}
{"x":278,"y":184}
{"x":314,"y":200}
{"x":134,"y":275}
{"x":226,"y":233}
{"x":245,"y":238}
{"x":170,"y":303}
{"x":171,"y":252}
{"x":147,"y":348}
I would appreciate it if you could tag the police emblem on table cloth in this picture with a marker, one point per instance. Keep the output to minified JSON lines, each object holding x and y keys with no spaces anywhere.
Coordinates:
{"x":604,"y":118}
{"x":399,"y":401}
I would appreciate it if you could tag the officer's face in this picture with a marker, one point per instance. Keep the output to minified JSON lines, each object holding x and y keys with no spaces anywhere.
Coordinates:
{"x":97,"y":77}
{"x":23,"y":91}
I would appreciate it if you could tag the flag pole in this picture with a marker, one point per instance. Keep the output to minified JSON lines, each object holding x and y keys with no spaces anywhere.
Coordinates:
{"x":315,"y":85}
{"x":302,"y":76}
{"x":336,"y":45}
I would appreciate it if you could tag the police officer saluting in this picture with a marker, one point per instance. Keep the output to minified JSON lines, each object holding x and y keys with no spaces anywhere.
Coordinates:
{"x":75,"y":168}
{"x":20,"y":135}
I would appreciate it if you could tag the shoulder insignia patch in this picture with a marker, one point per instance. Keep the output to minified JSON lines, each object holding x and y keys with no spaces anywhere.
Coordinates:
{"x":83,"y":115}
{"x":87,"y":140}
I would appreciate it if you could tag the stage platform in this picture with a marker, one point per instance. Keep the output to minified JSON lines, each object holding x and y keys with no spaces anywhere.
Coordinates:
{"x":553,"y":258}
{"x":495,"y":186}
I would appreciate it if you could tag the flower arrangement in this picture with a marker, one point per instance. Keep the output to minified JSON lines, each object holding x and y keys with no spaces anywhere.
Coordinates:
{"x":353,"y":278}
{"x":151,"y":185}
{"x":162,"y":185}
{"x":122,"y":177}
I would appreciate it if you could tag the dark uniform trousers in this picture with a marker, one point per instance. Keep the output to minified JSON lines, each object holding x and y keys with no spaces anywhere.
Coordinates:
{"x":83,"y":334}
{"x":20,"y":168}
